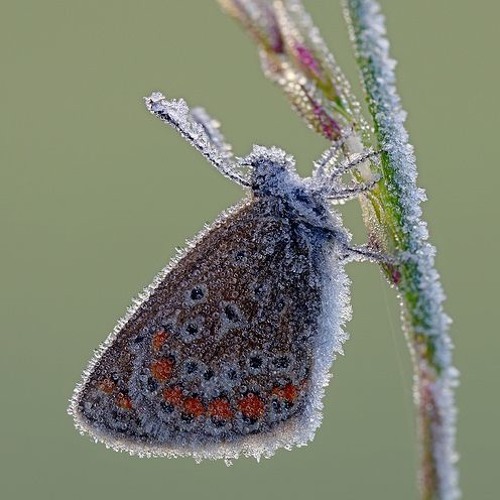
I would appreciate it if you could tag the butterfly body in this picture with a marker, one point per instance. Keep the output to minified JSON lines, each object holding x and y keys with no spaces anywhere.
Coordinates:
{"x":228,"y":351}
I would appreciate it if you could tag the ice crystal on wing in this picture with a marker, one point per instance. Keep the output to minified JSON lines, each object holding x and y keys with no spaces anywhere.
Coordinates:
{"x":379,"y":77}
{"x":266,"y":280}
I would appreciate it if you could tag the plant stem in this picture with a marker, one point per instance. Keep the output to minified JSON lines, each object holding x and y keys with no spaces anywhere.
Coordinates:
{"x":424,"y":322}
{"x":295,"y":57}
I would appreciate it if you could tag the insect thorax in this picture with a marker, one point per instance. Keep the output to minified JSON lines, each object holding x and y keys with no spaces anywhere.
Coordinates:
{"x":276,"y":183}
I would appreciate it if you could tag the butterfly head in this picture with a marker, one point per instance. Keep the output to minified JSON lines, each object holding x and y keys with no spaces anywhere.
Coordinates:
{"x":274,"y":178}
{"x":272,"y":170}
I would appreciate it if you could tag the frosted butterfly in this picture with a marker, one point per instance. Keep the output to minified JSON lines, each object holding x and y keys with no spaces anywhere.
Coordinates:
{"x":228,"y":351}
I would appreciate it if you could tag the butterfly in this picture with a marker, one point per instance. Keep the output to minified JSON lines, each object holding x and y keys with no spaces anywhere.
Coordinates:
{"x":228,"y":351}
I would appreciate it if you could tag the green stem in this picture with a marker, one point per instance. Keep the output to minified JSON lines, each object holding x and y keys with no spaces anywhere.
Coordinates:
{"x":296,"y":58}
{"x":424,"y":322}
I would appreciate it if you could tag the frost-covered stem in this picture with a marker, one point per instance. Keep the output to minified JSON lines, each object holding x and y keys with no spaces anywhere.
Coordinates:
{"x":417,"y":281}
{"x":295,"y":57}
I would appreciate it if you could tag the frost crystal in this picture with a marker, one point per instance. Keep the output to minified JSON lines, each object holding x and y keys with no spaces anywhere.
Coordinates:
{"x":368,"y":32}
{"x":200,"y":130}
{"x":228,"y":352}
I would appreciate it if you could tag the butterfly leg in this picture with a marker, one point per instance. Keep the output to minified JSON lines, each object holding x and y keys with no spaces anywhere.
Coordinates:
{"x":200,"y":130}
{"x":365,"y":253}
{"x":340,"y":193}
{"x":345,"y":166}
{"x":329,"y":158}
{"x":334,"y":190}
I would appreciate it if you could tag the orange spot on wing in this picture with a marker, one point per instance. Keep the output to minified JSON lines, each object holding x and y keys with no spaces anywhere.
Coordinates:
{"x":161,"y":369}
{"x":193,"y":406}
{"x":220,"y":408}
{"x":251,"y":406}
{"x":159,"y":339}
{"x":106,"y":386}
{"x":173,"y":395}
{"x":124,"y":401}
{"x":288,"y":392}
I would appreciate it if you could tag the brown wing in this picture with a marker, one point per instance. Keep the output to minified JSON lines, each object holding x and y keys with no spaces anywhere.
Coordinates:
{"x":218,"y":358}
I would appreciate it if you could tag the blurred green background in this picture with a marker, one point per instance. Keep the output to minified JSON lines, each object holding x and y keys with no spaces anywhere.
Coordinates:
{"x":95,"y":194}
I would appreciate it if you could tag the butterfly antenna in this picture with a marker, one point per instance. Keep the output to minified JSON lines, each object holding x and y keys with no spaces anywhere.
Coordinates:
{"x":200,"y":130}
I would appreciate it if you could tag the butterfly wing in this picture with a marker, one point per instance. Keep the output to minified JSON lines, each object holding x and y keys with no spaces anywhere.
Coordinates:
{"x":228,"y":350}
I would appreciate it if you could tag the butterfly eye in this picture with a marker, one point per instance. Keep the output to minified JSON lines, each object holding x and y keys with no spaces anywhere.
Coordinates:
{"x":306,"y":200}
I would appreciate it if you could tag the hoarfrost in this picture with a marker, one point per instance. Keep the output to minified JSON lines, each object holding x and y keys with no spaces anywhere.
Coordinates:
{"x":200,"y":130}
{"x":367,"y":23}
